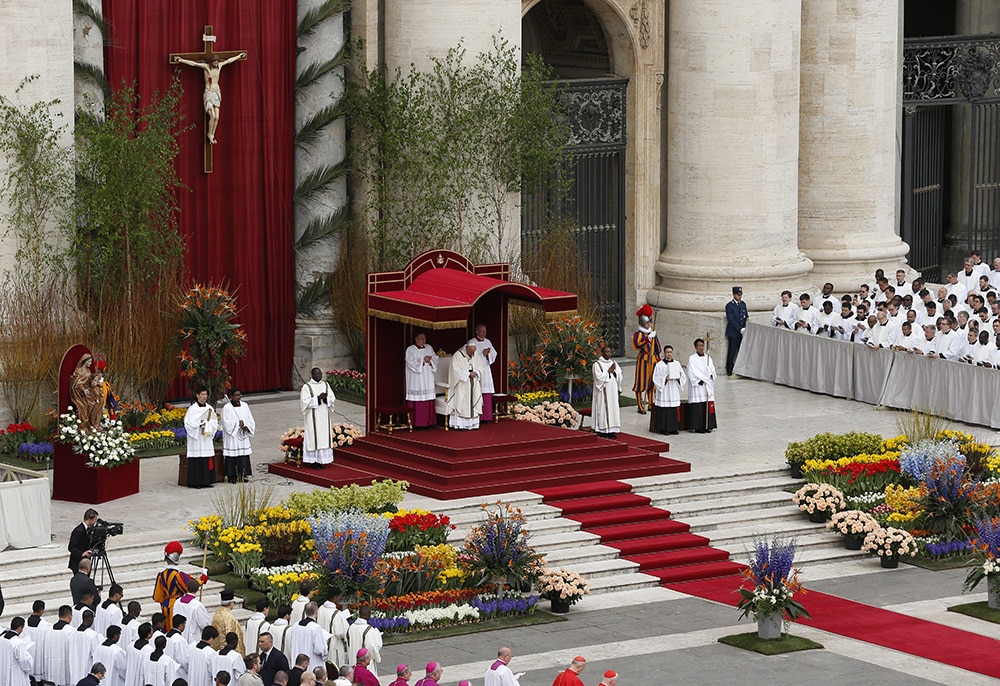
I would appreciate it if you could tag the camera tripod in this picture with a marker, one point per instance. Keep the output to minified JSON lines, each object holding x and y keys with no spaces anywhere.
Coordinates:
{"x":100,"y":564}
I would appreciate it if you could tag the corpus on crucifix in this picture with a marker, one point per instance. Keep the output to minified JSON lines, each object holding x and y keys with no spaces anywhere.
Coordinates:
{"x":211,"y":62}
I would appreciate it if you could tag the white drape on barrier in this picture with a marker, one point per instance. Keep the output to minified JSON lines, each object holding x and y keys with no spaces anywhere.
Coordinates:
{"x":25,"y":519}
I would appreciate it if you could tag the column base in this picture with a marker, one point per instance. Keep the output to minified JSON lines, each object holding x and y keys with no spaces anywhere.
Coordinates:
{"x":318,"y":344}
{"x":847,"y":268}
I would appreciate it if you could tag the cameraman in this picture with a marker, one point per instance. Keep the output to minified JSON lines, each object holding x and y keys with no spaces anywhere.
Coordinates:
{"x":79,"y":540}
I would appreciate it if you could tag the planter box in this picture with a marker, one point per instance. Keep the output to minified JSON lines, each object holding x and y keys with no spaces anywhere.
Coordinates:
{"x":75,"y":482}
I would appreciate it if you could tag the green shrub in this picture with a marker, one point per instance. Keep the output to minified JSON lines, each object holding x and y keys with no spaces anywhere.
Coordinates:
{"x":829,"y":446}
{"x":381,"y":496}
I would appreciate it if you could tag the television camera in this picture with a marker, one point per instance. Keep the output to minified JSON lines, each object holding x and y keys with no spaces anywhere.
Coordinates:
{"x":99,"y":535}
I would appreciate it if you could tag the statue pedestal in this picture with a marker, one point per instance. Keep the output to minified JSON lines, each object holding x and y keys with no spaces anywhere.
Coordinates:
{"x":75,"y":482}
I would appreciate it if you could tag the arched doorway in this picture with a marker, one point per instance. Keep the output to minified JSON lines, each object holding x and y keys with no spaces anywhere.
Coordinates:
{"x":593,"y":66}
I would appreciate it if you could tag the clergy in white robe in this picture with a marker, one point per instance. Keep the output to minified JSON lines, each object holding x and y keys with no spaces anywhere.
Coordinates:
{"x":16,"y":663}
{"x":844,"y":324}
{"x":604,"y":407}
{"x":826,"y":320}
{"x":488,"y":352}
{"x":136,"y":655}
{"x":36,"y":631}
{"x":498,"y":673}
{"x":112,"y":656}
{"x":109,"y":613}
{"x":279,"y":634}
{"x":985,"y":351}
{"x":230,"y":660}
{"x":363,"y":635}
{"x":421,"y":364}
{"x":256,"y":624}
{"x":786,"y":313}
{"x":883,"y":334}
{"x":202,"y":663}
{"x":950,"y":343}
{"x":306,"y":591}
{"x":316,"y":400}
{"x":333,"y":620}
{"x":160,"y":669}
{"x":465,"y":387}
{"x":308,"y":638}
{"x":701,"y":389}
{"x":200,"y":423}
{"x":238,"y":427}
{"x":178,"y":648}
{"x":908,"y":339}
{"x":197,"y":616}
{"x":669,"y":381}
{"x":806,"y":318}
{"x":57,"y":648}
{"x":82,"y":643}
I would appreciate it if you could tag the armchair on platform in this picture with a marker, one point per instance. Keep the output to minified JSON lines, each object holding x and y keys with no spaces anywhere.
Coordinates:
{"x":441,"y":387}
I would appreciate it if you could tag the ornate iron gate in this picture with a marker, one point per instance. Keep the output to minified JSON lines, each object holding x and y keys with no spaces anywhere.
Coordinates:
{"x":939,"y":72}
{"x":595,"y":113}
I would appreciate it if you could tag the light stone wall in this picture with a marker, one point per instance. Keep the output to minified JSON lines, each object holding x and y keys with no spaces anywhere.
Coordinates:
{"x":848,"y":155}
{"x":35,"y":38}
{"x":732,"y":161}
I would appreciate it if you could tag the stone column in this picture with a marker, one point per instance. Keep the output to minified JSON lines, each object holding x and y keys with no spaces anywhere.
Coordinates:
{"x":732,"y":162}
{"x":88,"y":48}
{"x":848,"y":124}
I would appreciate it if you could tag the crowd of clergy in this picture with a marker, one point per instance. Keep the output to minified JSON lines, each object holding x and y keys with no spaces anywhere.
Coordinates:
{"x":959,"y":321}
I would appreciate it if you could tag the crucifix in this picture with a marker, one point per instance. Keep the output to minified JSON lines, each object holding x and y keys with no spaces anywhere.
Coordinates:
{"x":211,"y":63}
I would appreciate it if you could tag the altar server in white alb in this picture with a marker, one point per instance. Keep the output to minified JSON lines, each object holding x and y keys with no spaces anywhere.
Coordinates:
{"x":35,"y":633}
{"x":488,"y":351}
{"x":607,"y":387}
{"x":669,"y":381}
{"x":200,"y":423}
{"x":701,"y":389}
{"x":786,"y":313}
{"x":332,"y":618}
{"x":112,"y":656}
{"x":421,"y":364}
{"x":82,"y":643}
{"x":465,"y":388}
{"x":238,"y":427}
{"x":16,"y":662}
{"x":309,"y":638}
{"x":317,"y":400}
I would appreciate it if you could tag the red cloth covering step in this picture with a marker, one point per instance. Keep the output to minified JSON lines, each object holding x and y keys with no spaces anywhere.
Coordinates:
{"x":885,"y":628}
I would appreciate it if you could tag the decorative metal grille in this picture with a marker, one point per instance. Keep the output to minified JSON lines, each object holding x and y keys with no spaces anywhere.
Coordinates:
{"x":950,"y":70}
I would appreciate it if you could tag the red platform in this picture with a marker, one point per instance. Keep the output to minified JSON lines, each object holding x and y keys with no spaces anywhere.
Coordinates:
{"x":499,"y":457}
{"x":75,"y":482}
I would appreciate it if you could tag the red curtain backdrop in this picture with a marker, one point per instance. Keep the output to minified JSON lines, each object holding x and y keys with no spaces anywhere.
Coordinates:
{"x":237,"y":221}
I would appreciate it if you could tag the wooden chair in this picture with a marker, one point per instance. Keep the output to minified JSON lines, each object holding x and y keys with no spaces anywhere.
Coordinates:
{"x":386,"y":417}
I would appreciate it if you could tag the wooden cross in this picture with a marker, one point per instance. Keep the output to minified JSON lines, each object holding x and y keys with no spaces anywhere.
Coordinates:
{"x":204,"y":60}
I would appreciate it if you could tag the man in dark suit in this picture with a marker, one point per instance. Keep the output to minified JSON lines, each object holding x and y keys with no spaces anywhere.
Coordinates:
{"x":81,"y":584}
{"x":95,"y":677}
{"x":79,"y":540}
{"x":736,"y":325}
{"x":272,"y":660}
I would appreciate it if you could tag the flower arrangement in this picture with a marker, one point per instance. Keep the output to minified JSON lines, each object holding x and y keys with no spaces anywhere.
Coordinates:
{"x":411,"y":528}
{"x":985,"y":544}
{"x":206,"y":529}
{"x":413,"y":601}
{"x":14,"y":435}
{"x":773,"y":581}
{"x":532,"y":398}
{"x":569,"y":347}
{"x":813,"y":498}
{"x":498,"y":549}
{"x":890,"y":542}
{"x":827,"y":446}
{"x":245,"y":556}
{"x":548,"y":412}
{"x":409,"y":572}
{"x":380,"y":496}
{"x":35,"y":452}
{"x":168,"y":417}
{"x":917,"y":461}
{"x":210,"y":336}
{"x":527,"y":373}
{"x":157,"y":439}
{"x":109,"y":447}
{"x":852,"y":523}
{"x":345,"y":434}
{"x":281,"y":583}
{"x":346,"y":380}
{"x":497,"y":607}
{"x":350,"y":544}
{"x":290,"y":442}
{"x":562,"y":585}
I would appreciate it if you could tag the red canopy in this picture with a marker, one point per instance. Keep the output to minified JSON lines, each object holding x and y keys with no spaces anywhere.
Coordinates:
{"x":442,"y":291}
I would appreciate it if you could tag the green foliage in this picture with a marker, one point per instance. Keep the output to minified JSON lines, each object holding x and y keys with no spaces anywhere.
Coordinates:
{"x":315,"y":71}
{"x":318,"y":15}
{"x":917,"y":425}
{"x":569,"y":348}
{"x":307,"y":135}
{"x":318,"y":180}
{"x":86,"y":9}
{"x":827,"y":446}
{"x":323,"y":228}
{"x":314,"y":294}
{"x":380,"y":496}
{"x":211,"y":335}
{"x":241,"y":505}
{"x":93,"y":73}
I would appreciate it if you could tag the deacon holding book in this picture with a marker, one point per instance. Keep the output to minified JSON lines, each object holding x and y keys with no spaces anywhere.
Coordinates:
{"x":201,"y":424}
{"x":607,"y":388}
{"x":317,"y":399}
{"x":465,"y":387}
{"x":701,"y":389}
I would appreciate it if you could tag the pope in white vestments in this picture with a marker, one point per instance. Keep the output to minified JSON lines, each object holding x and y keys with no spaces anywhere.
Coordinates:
{"x":421,"y":364}
{"x":317,"y":400}
{"x":701,"y":389}
{"x":465,"y":387}
{"x":200,"y":423}
{"x":238,"y":427}
{"x":607,"y":387}
{"x":669,"y":381}
{"x":488,"y":352}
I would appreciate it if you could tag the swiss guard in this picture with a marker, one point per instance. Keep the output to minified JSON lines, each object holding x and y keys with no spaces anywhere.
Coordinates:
{"x":647,"y":347}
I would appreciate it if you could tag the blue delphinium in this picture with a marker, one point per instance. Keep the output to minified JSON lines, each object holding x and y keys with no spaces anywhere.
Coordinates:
{"x":350,"y":544}
{"x":919,"y":460}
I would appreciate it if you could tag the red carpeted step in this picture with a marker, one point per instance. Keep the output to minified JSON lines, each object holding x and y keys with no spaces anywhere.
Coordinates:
{"x":588,"y":490}
{"x":710,"y":570}
{"x":624,"y":532}
{"x":677,"y":558}
{"x":654,"y":544}
{"x":630,"y":516}
{"x":600,"y":503}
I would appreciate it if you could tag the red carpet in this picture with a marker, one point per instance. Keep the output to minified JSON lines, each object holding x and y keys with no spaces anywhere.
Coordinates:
{"x":874,"y":625}
{"x":663,"y":547}
{"x":503,"y":456}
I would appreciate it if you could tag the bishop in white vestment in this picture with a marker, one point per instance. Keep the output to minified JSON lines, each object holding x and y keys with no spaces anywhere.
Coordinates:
{"x":238,"y":427}
{"x":317,"y":400}
{"x":669,"y":381}
{"x":607,"y":387}
{"x":421,"y":364}
{"x":465,"y":388}
{"x":701,"y":389}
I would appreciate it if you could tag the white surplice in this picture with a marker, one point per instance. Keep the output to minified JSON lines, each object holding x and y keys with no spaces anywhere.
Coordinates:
{"x":36,"y":637}
{"x":488,"y":359}
{"x":420,"y":374}
{"x":255,"y":626}
{"x":201,"y":666}
{"x":465,"y":394}
{"x":308,"y":638}
{"x":81,"y":653}
{"x":604,"y":403}
{"x":318,"y":420}
{"x":108,"y":613}
{"x":499,"y":674}
{"x":334,"y":622}
{"x":701,"y":368}
{"x":180,"y":650}
{"x":113,"y":658}
{"x":135,"y":663}
{"x":669,"y":381}
{"x":16,"y":663}
{"x":785,"y":316}
{"x":197,"y":616}
{"x":231,"y":662}
{"x":162,"y":672}
{"x":57,"y":653}
{"x":234,"y":441}
{"x":362,"y":635}
{"x":200,"y":423}
{"x":298,"y":610}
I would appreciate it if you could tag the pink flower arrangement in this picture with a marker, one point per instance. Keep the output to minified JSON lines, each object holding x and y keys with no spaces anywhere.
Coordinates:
{"x":819,"y":498}
{"x":852,"y":523}
{"x":890,"y":542}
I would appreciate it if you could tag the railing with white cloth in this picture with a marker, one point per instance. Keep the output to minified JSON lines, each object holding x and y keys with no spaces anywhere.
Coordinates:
{"x":25,"y":514}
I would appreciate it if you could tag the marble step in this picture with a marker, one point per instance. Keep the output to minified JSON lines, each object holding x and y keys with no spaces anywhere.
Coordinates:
{"x":617,"y":583}
{"x":730,"y":505}
{"x":687,"y":480}
{"x":752,"y":519}
{"x":711,"y":490}
{"x":567,"y":557}
{"x":563,"y":540}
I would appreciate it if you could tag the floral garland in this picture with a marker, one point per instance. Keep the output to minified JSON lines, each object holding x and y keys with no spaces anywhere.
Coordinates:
{"x":110,"y":447}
